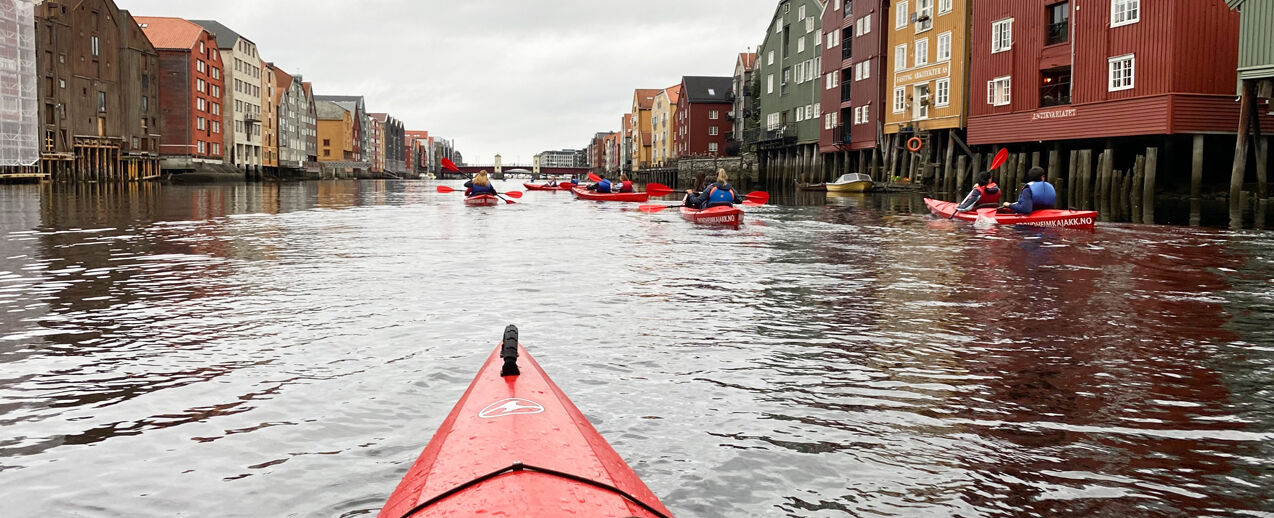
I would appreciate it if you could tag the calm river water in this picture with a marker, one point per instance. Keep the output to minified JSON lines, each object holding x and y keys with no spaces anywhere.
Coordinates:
{"x":288,"y":350}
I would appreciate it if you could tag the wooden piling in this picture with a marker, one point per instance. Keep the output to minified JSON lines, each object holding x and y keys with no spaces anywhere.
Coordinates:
{"x":1022,"y":166}
{"x":962,"y":164}
{"x":1196,"y":168}
{"x":1085,"y":178}
{"x":1148,"y":187}
{"x":1239,"y":169}
{"x":977,"y":168}
{"x":951,"y":180}
{"x":1262,"y":168}
{"x":1136,"y":190}
{"x":1070,"y":178}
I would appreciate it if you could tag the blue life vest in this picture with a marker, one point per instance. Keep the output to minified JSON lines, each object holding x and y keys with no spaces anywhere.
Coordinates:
{"x":720,"y":196}
{"x":1043,"y":196}
{"x":603,"y":186}
{"x":481,"y":189}
{"x":575,"y":181}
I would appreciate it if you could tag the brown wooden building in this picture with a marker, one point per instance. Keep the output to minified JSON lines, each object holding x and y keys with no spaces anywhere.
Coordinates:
{"x":99,"y":109}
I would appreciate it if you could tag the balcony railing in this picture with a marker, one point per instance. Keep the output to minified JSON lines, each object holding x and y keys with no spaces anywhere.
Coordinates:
{"x":846,"y":50}
{"x":841,"y":134}
{"x":1057,"y":33}
{"x":762,"y":135}
{"x":1055,"y":95}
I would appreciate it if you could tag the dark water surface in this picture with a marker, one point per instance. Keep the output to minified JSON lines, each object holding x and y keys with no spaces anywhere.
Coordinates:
{"x":288,"y":350}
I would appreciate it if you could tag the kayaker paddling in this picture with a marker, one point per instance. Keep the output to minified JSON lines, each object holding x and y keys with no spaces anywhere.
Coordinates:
{"x":985,"y":194}
{"x":1037,"y":194}
{"x":625,"y":185}
{"x":718,"y":194}
{"x":480,"y":184}
{"x":602,"y":185}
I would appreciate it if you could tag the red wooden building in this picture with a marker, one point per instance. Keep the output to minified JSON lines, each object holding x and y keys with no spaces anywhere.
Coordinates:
{"x":1049,"y":70}
{"x":833,"y":99}
{"x":851,"y":85}
{"x":190,"y":83}
{"x":702,"y":126}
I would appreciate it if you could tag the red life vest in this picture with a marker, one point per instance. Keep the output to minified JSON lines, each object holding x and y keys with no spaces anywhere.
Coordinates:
{"x":626,"y":186}
{"x":986,"y":199}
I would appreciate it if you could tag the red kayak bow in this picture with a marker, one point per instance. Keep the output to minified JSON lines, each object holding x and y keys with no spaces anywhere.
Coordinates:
{"x":515,"y":445}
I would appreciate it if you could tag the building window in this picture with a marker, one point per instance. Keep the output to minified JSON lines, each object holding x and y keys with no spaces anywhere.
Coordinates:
{"x":712,"y":130}
{"x":901,"y":15}
{"x":922,"y":52}
{"x":327,"y":142}
{"x":942,"y":92}
{"x":1058,"y":23}
{"x":145,"y":103}
{"x":900,"y":99}
{"x":199,"y":66}
{"x":800,"y":44}
{"x":900,"y":57}
{"x":216,"y":149}
{"x":327,"y":152}
{"x":201,"y":48}
{"x":200,"y":85}
{"x":944,"y":47}
{"x":769,"y":58}
{"x":1002,"y":36}
{"x":1055,"y":87}
{"x":997,"y":91}
{"x":203,"y":146}
{"x":101,"y":102}
{"x":769,"y":84}
{"x":712,"y":147}
{"x":867,"y":24}
{"x":1121,"y":72}
{"x":944,"y":6}
{"x":818,"y":110}
{"x":216,"y":127}
{"x":714,"y":115}
{"x":924,"y":15}
{"x":201,"y":104}
{"x":1124,"y":12}
{"x":201,"y":123}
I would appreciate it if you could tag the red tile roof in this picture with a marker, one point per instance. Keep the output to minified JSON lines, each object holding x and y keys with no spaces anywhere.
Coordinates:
{"x":170,"y":33}
{"x":645,"y":97}
{"x":674,"y":93}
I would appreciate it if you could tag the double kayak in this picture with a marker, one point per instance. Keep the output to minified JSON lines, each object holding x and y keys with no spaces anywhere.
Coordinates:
{"x":515,"y":445}
{"x":585,"y":194}
{"x":543,"y":187}
{"x":482,"y":200}
{"x":1078,"y":219}
{"x":723,"y":215}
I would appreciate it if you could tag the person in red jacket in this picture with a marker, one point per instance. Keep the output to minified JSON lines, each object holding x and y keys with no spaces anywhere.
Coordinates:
{"x":625,"y":185}
{"x":984,"y":194}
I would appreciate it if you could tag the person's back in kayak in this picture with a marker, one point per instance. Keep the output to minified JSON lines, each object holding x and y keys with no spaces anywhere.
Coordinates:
{"x":719,"y":194}
{"x":625,"y":185}
{"x":480,"y":184}
{"x":985,"y":193}
{"x":1037,"y":194}
{"x":552,"y":182}
{"x":602,"y":186}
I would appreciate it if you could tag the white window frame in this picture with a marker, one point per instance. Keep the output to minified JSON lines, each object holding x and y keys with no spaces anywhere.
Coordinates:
{"x":867,"y":69}
{"x":900,"y":57}
{"x":921,"y":7}
{"x":1002,"y":35}
{"x":712,"y":147}
{"x":921,"y":54}
{"x":993,"y":91}
{"x":769,"y":84}
{"x":900,"y":99}
{"x":770,"y":58}
{"x":942,"y":93}
{"x":858,"y":27}
{"x":901,"y":16}
{"x":867,"y":24}
{"x":800,"y":12}
{"x":713,"y":131}
{"x":1131,"y":76}
{"x":1119,"y":12}
{"x":944,"y":6}
{"x":800,"y":44}
{"x":96,"y":46}
{"x":818,"y":110}
{"x":944,"y":48}
{"x":714,"y":115}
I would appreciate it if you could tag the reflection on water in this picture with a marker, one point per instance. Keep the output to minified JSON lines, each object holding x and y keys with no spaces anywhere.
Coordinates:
{"x":276,"y":350}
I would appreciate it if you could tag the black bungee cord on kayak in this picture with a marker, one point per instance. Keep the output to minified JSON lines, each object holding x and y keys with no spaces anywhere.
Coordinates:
{"x":518,"y":466}
{"x":509,"y":351}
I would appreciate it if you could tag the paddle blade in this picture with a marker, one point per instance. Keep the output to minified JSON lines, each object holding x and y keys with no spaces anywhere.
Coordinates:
{"x":508,"y":201}
{"x":449,"y":165}
{"x":1000,"y":158}
{"x":651,"y":209}
{"x":658,"y":189}
{"x":514,"y":194}
{"x":444,"y":189}
{"x":758,"y":197}
{"x":594,"y":178}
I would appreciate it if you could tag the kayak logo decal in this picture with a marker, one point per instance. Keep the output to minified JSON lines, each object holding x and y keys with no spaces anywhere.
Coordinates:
{"x":511,"y":406}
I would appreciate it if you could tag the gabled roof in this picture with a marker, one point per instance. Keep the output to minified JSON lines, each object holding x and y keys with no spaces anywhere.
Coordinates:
{"x":330,"y":111}
{"x":281,"y":78}
{"x":380,"y":117}
{"x":748,"y":60}
{"x":674,"y":94}
{"x":645,"y":97}
{"x":226,"y":38}
{"x":701,"y":89}
{"x":353,"y":103}
{"x":170,"y":33}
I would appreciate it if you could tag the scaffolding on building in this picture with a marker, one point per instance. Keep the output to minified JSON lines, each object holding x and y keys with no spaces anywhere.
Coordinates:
{"x":19,"y":111}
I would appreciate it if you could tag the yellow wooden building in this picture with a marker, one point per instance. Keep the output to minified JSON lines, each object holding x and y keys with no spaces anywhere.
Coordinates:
{"x":928,"y":57}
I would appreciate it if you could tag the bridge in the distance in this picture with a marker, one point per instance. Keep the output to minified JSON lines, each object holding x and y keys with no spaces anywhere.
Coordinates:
{"x":512,"y":169}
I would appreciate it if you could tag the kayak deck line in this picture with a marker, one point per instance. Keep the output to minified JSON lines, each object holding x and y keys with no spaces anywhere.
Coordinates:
{"x":518,"y":466}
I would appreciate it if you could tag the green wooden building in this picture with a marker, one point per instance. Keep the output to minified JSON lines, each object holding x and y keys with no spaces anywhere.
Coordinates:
{"x":788,"y":68}
{"x":1256,"y":81}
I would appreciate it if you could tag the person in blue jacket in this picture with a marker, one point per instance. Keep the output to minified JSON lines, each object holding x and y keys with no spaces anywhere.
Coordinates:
{"x":717,"y":194}
{"x":602,"y":186}
{"x":1037,"y":194}
{"x":480,"y":184}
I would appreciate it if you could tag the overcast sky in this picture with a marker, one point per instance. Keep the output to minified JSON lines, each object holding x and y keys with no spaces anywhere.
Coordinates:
{"x":514,"y":77}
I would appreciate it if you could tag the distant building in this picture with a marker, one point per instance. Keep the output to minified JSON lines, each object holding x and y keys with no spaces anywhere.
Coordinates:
{"x":663,"y":122}
{"x":335,"y":138}
{"x":563,"y":158}
{"x":393,"y":143}
{"x":311,"y":127}
{"x":294,"y":120}
{"x":269,"y":120}
{"x":19,"y":113}
{"x":362,"y":137}
{"x":416,"y":147}
{"x":702,"y":124}
{"x":190,"y":86}
{"x":643,"y":102}
{"x":376,"y":145}
{"x":100,"y":97}
{"x":241,"y":97}
{"x":625,"y":143}
{"x":744,"y":96}
{"x":597,"y":152}
{"x":789,"y":64}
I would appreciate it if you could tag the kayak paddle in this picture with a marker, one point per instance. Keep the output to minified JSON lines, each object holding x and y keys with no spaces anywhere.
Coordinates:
{"x":511,"y":194}
{"x":658,"y":189}
{"x":752,"y":199}
{"x":449,"y":165}
{"x":594,"y":178}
